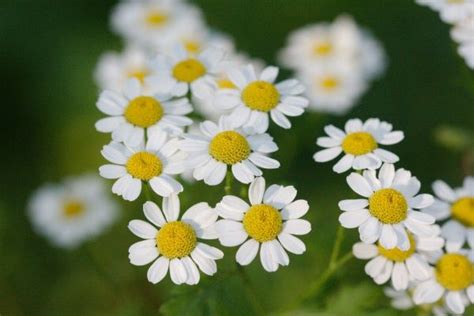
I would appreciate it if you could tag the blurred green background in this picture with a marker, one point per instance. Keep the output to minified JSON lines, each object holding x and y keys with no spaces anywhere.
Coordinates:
{"x":48,"y":51}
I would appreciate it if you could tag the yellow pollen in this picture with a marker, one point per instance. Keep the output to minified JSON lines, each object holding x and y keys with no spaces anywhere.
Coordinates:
{"x":388,"y":205}
{"x":262,"y":222}
{"x":156,"y":18}
{"x":229,"y":147}
{"x":359,"y":143}
{"x":176,"y":240}
{"x":144,"y":111}
{"x":73,"y":209}
{"x":261,"y":96}
{"x":192,"y":46}
{"x":189,"y":70}
{"x":396,"y":254}
{"x":322,"y":49}
{"x":454,"y":271}
{"x":139,"y":74}
{"x":144,"y":166}
{"x":225,"y":84}
{"x":329,"y":83}
{"x":463,"y":211}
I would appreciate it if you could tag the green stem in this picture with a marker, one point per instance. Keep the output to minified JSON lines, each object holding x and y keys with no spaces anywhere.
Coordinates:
{"x":337,"y":245}
{"x":228,"y":182}
{"x":146,"y":188}
{"x":251,"y":292}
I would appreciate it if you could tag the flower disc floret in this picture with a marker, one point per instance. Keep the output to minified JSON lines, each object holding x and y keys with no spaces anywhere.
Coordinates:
{"x":262,"y":222}
{"x":389,"y":206}
{"x":73,"y":208}
{"x":229,"y":147}
{"x":454,"y":272}
{"x":176,"y":240}
{"x":261,"y":96}
{"x":396,"y":254}
{"x":144,"y":166}
{"x":189,"y":70}
{"x":144,"y":111}
{"x":359,"y":143}
{"x":463,"y":211}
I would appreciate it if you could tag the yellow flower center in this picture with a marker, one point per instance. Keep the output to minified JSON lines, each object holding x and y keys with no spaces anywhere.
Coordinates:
{"x":139,"y":74}
{"x":261,"y":96}
{"x":143,"y":111}
{"x":144,"y":166}
{"x":359,"y":143}
{"x":454,"y":271}
{"x":73,"y":209}
{"x":329,"y":83}
{"x":189,"y":70}
{"x":388,"y":205}
{"x":176,"y":240}
{"x":463,"y":211}
{"x":229,"y":147}
{"x":262,"y":222}
{"x":396,"y":254}
{"x":322,"y":49}
{"x":192,"y":46}
{"x":225,"y":84}
{"x":156,"y":18}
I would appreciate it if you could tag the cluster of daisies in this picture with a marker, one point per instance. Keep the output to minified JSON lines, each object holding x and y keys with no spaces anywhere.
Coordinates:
{"x":460,"y":14}
{"x":420,"y":243}
{"x":181,"y":104}
{"x":336,"y":61}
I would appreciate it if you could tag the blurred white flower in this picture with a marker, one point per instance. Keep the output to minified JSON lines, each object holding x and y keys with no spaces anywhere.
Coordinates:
{"x":153,"y":164}
{"x":360,"y":144}
{"x":174,"y":243}
{"x":386,"y":212}
{"x":457,"y":207}
{"x":222,"y":146}
{"x":134,"y":113}
{"x":271,"y":220}
{"x":76,"y":210}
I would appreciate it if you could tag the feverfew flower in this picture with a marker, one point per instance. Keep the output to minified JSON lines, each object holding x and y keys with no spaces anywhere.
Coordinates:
{"x":255,"y":98}
{"x":114,"y":69}
{"x":457,"y":206}
{"x":271,"y":220}
{"x":153,"y":164}
{"x":399,"y":266}
{"x":174,"y":244}
{"x":386,"y":211}
{"x":72,"y":212}
{"x":134,"y":112}
{"x":454,"y":11}
{"x":359,"y":143}
{"x":181,"y":71}
{"x":222,"y":146}
{"x":451,"y":281}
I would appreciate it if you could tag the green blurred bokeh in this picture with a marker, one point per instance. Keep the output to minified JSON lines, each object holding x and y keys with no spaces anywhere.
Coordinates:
{"x":48,"y":51}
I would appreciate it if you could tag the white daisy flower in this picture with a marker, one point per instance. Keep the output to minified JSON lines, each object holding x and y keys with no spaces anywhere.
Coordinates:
{"x":173,"y":244}
{"x":152,"y":23}
{"x":181,"y":71}
{"x":271,"y":220}
{"x":153,"y":164}
{"x":340,"y":42}
{"x":255,"y":98}
{"x":359,"y":143}
{"x":134,"y":112}
{"x":223,"y":146}
{"x":451,"y":281}
{"x":114,"y":69}
{"x":399,"y":266}
{"x":457,"y":206}
{"x":333,"y":88}
{"x":454,"y":11}
{"x":386,"y":211}
{"x":72,"y":212}
{"x":463,"y":32}
{"x":399,"y":299}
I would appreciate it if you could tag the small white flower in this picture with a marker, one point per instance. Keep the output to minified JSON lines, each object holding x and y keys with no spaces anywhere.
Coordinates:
{"x":181,"y":71}
{"x":451,"y":281}
{"x":255,"y":98}
{"x":271,"y":220}
{"x":134,"y":111}
{"x":463,"y":32}
{"x":399,"y":299}
{"x":454,"y":11}
{"x":114,"y":69}
{"x":457,"y":206}
{"x":152,"y":164}
{"x":222,"y":146}
{"x":72,"y":212}
{"x":359,"y":143}
{"x":333,"y":88}
{"x":386,"y":211}
{"x":399,"y":266}
{"x":174,"y":245}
